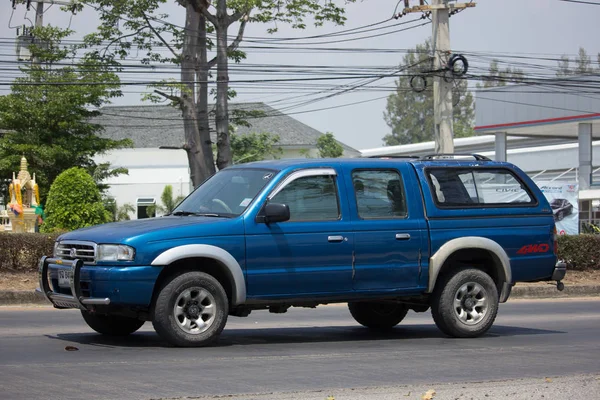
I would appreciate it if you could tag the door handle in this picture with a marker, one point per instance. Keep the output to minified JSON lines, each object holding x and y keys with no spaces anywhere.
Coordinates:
{"x":335,"y":239}
{"x":402,"y":236}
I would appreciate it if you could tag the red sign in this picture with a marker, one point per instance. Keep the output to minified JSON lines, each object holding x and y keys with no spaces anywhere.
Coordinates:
{"x":534,"y":248}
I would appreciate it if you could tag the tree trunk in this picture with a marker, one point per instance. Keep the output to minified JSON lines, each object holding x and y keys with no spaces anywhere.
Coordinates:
{"x":193,"y":145}
{"x":222,"y":117}
{"x":202,"y":97}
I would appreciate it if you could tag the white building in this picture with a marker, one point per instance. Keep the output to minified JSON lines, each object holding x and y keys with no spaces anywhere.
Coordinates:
{"x":157,"y":134}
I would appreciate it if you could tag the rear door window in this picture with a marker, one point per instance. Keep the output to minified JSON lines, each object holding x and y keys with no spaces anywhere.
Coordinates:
{"x":379,"y":194}
{"x":464,"y":187}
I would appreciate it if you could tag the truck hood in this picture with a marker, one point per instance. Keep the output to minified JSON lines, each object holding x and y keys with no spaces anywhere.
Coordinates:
{"x":152,"y":228}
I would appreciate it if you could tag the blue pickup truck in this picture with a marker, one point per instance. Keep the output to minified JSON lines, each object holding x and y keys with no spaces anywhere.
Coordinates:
{"x":384,"y":235}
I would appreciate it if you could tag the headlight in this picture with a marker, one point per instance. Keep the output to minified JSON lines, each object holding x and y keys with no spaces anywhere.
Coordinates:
{"x":55,"y":254}
{"x":115,"y":252}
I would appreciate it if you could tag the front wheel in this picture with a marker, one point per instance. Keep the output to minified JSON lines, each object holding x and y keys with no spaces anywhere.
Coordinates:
{"x":378,"y":315}
{"x":465,"y":303}
{"x":191,"y":310}
{"x":112,"y":325}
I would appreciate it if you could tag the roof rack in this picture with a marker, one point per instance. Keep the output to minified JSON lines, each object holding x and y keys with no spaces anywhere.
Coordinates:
{"x":406,"y":156}
{"x":451,"y":157}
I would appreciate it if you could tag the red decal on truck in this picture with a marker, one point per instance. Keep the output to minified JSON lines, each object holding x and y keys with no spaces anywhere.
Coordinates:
{"x":534,"y":248}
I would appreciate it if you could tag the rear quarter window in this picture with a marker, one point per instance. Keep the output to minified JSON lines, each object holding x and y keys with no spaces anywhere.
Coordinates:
{"x":478,"y":187}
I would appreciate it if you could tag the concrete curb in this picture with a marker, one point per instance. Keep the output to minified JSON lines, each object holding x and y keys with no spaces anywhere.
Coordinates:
{"x":20,"y":297}
{"x":550,"y":291}
{"x":24,"y":297}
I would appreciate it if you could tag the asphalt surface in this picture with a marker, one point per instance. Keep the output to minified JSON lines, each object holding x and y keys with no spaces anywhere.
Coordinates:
{"x":305,"y":351}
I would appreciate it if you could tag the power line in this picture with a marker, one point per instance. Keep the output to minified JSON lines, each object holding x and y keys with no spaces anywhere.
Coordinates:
{"x":581,"y":2}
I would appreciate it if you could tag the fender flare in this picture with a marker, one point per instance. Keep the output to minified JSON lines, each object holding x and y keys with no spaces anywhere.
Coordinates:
{"x":439,"y":258}
{"x":230,"y":264}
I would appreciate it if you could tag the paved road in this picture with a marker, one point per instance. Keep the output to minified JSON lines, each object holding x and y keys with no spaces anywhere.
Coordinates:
{"x":320,"y":349}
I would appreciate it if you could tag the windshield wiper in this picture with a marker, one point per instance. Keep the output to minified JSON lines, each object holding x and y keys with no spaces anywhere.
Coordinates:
{"x":182,"y":213}
{"x":198,"y":214}
{"x":212,"y":215}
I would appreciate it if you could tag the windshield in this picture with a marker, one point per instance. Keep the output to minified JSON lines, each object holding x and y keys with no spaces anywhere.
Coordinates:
{"x":226,"y":194}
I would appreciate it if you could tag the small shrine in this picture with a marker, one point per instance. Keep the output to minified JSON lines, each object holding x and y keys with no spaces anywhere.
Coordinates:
{"x":23,"y":209}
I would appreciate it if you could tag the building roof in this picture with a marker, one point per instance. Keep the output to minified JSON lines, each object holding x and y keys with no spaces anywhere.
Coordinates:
{"x":474,"y":144}
{"x":153,"y":126}
{"x":533,"y":109}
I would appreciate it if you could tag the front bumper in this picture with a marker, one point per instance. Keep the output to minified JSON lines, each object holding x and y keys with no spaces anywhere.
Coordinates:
{"x":59,"y":300}
{"x":560,"y":270}
{"x":93,"y":286}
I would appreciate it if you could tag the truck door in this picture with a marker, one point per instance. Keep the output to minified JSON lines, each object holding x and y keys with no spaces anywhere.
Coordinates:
{"x":390,"y":235}
{"x":312,"y":252}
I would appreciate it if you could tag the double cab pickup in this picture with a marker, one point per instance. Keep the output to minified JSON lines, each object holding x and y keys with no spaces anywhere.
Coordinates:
{"x":450,"y":234}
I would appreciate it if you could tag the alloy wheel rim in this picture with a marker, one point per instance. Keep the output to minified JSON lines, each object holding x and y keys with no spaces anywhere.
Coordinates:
{"x":471,"y":303}
{"x":195,"y":310}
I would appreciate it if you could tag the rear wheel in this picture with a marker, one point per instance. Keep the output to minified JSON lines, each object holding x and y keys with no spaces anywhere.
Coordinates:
{"x":378,"y":315}
{"x":465,"y":303}
{"x":191,"y":310}
{"x":112,"y":325}
{"x":560,"y":216}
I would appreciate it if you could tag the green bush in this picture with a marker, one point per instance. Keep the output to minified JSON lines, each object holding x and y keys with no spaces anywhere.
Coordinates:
{"x":580,"y":252}
{"x":22,"y":251}
{"x":74,"y":202}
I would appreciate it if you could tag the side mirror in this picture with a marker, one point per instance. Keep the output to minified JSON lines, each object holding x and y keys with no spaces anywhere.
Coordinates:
{"x":275,"y":212}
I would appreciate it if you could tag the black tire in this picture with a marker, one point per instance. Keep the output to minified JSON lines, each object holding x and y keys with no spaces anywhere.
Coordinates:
{"x":560,"y":216}
{"x":459,"y":322}
{"x":112,"y":325}
{"x":378,"y":316}
{"x":170,"y":325}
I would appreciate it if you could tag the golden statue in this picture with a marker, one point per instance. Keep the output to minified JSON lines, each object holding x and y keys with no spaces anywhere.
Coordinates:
{"x":23,"y":217}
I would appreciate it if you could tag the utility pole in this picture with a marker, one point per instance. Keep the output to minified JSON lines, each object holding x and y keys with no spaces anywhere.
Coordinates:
{"x":39,"y":22}
{"x":442,"y":88}
{"x":39,"y":14}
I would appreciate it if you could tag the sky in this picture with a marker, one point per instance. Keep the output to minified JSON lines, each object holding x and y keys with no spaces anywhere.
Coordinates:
{"x":527,"y":27}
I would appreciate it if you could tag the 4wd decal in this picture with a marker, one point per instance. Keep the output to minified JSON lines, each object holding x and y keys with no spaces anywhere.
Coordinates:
{"x":534,"y":248}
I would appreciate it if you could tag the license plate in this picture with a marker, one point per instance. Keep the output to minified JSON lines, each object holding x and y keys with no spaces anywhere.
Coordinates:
{"x":64,"y":278}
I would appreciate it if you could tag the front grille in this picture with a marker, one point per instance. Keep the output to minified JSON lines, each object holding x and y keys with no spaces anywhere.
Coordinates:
{"x":85,"y":251}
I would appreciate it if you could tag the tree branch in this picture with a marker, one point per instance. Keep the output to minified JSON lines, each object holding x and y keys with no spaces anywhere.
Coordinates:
{"x":234,"y":45}
{"x":235,"y":17}
{"x":168,"y":96}
{"x":212,"y":18}
{"x":121,"y":37}
{"x":159,"y":36}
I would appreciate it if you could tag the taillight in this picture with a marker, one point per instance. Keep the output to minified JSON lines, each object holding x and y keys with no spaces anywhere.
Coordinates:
{"x":555,"y":241}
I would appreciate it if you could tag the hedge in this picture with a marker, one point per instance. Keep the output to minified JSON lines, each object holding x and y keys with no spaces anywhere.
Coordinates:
{"x":21,"y":251}
{"x":580,"y":252}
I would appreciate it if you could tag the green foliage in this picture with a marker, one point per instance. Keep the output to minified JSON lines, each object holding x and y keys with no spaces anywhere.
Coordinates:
{"x":49,"y":122}
{"x":124,"y":211}
{"x":305,"y":153}
{"x":497,"y":77}
{"x":329,"y":147}
{"x":103,"y":171}
{"x":118,"y":213}
{"x":74,"y":202}
{"x":168,"y":202}
{"x":410,"y":114}
{"x":583,"y":64}
{"x":139,"y":26}
{"x":580,"y":252}
{"x":254,"y":147}
{"x":22,"y":251}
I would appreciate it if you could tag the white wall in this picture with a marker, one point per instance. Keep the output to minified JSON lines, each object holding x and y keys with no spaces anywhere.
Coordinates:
{"x":150,"y":170}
